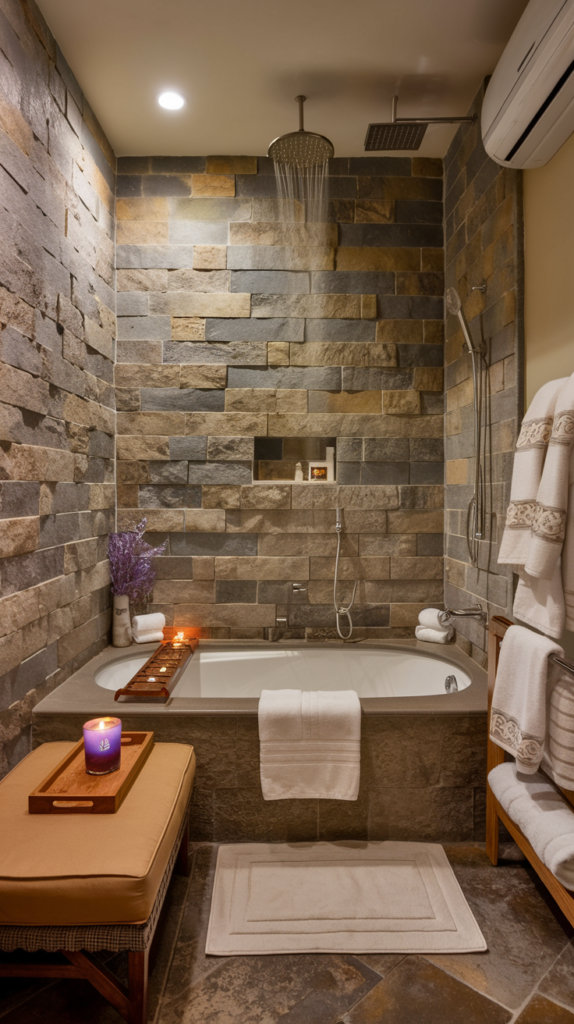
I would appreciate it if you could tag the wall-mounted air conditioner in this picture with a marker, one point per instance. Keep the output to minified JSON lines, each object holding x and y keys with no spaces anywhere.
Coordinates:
{"x":528,"y":109}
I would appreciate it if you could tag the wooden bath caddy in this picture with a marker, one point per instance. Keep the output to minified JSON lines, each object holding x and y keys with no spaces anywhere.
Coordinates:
{"x":68,"y":789}
{"x":156,"y":679}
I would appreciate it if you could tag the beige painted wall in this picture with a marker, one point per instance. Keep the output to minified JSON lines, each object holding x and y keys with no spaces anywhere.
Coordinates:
{"x":549,"y":270}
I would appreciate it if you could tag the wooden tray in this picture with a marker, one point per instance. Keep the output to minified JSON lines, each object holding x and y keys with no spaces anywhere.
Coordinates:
{"x":155,"y":680}
{"x":68,"y":789}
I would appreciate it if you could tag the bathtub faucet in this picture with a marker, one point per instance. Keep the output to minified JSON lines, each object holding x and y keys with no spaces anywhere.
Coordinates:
{"x":475,"y":610}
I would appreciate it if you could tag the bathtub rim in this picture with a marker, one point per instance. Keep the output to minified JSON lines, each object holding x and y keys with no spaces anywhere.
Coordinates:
{"x":80,"y":694}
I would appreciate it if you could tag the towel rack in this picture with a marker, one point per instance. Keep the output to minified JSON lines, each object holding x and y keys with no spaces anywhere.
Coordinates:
{"x":495,"y":755}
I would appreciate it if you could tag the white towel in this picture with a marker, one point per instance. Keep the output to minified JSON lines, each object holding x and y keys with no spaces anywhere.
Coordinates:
{"x":541,"y":813}
{"x":310,"y":744}
{"x":529,"y":457}
{"x":148,"y":637}
{"x":430,"y":618}
{"x":148,"y":623}
{"x":558,"y":759}
{"x":540,"y":603}
{"x":518,"y":715}
{"x":434,"y":636}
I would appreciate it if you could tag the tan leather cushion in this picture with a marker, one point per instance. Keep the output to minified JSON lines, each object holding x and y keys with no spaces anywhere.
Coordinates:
{"x":90,"y":869}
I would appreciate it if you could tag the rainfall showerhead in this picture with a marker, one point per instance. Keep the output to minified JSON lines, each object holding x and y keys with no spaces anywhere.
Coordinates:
{"x":301,"y":149}
{"x":404,"y":132}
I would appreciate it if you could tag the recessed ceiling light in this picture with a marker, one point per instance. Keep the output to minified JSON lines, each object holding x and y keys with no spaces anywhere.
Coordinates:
{"x":171,"y":100}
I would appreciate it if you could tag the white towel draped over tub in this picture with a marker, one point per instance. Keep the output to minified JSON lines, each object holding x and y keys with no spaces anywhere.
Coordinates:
{"x":518,"y":719}
{"x":310,"y":744}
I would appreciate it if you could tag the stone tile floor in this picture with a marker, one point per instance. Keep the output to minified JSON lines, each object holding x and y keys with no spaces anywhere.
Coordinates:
{"x":526,"y":977}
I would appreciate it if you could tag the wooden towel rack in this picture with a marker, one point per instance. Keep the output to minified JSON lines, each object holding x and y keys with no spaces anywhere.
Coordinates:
{"x":494,"y":812}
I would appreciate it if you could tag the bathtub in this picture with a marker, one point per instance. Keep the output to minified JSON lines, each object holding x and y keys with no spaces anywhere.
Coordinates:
{"x":242,"y":672}
{"x":423,"y":751}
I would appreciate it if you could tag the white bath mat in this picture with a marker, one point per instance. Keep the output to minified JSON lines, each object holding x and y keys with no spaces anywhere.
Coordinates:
{"x":345,"y":897}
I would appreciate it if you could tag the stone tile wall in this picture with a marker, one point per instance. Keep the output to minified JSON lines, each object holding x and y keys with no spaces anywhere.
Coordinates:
{"x":236,"y":323}
{"x":57,"y":335}
{"x":484,"y":243}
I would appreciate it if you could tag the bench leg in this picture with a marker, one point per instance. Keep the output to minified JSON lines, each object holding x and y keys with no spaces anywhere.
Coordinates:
{"x":492,"y":827}
{"x":138,"y":983}
{"x":183,"y":862}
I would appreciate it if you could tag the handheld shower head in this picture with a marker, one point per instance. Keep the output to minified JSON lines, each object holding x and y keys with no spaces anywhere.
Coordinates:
{"x":454,"y":306}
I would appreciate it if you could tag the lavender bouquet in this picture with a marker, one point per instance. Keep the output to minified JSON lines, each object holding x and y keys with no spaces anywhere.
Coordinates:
{"x":131,"y":567}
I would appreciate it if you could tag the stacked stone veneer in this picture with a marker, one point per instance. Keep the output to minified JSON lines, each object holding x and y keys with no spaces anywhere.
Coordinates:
{"x":235,"y":322}
{"x":56,"y":364}
{"x":484,"y":239}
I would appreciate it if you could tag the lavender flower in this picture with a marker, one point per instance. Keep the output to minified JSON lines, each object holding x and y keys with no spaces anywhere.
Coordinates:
{"x":131,"y":567}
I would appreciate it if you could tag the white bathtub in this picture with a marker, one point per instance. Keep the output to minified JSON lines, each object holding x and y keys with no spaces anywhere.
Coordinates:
{"x":221,"y":671}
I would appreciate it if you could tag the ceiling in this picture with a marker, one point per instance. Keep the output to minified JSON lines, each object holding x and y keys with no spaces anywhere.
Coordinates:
{"x":240,"y":65}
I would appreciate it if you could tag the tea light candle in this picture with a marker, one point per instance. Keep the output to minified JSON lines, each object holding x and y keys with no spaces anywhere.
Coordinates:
{"x":102,"y":745}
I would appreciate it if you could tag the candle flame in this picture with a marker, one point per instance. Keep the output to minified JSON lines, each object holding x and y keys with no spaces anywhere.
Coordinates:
{"x":102,"y":724}
{"x":179,"y":636}
{"x":163,"y":669}
{"x":151,"y":679}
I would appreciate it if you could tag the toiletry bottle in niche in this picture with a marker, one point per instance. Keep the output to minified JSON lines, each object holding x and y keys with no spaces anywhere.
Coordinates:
{"x":298,"y":473}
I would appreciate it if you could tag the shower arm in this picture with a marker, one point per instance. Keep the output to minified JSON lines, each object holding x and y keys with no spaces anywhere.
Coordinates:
{"x":300,"y":100}
{"x":425,"y":120}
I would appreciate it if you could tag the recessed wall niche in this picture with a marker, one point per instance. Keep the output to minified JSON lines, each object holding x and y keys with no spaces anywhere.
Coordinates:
{"x":277,"y":458}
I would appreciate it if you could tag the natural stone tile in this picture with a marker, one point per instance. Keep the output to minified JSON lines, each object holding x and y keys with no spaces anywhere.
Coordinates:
{"x":139,"y":232}
{"x":262,"y":568}
{"x":278,"y":353}
{"x":558,"y":984}
{"x":184,"y":399}
{"x":376,"y":258}
{"x":282,"y":257}
{"x":250,"y":400}
{"x":18,"y":536}
{"x":297,"y":378}
{"x":209,"y":376}
{"x":374,"y":211}
{"x":236,"y":592}
{"x":401,"y":332}
{"x":272,"y":329}
{"x":210,"y":257}
{"x":204,"y":521}
{"x":168,"y":257}
{"x":237,"y":615}
{"x":200,"y":304}
{"x":302,"y":544}
{"x":540,"y":1009}
{"x":310,"y":234}
{"x":428,"y":378}
{"x":244,"y":353}
{"x":415,"y":522}
{"x":290,"y":401}
{"x":226,"y":424}
{"x":231,"y":165}
{"x":417,"y":990}
{"x":391,"y":449}
{"x":265,"y":496}
{"x":332,"y":330}
{"x":209,"y":544}
{"x":158,"y":520}
{"x":171,"y":423}
{"x":416,"y":568}
{"x":270,"y":282}
{"x":188,"y":448}
{"x":349,"y":568}
{"x":401,"y":402}
{"x":341,"y":306}
{"x":130,"y":447}
{"x":345,"y":401}
{"x":325,"y":353}
{"x":177,"y":591}
{"x":199,"y":281}
{"x":220,"y":496}
{"x":213,"y":184}
{"x":142,"y":209}
{"x":220,"y":473}
{"x":360,"y":425}
{"x":229,"y":448}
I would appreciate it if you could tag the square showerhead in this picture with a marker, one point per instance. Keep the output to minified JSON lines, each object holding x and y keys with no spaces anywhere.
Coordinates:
{"x":394,"y":135}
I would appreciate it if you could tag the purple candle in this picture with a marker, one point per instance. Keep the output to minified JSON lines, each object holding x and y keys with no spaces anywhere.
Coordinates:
{"x":102,"y":745}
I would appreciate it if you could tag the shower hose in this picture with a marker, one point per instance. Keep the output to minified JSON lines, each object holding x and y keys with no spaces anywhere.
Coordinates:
{"x":340,"y":610}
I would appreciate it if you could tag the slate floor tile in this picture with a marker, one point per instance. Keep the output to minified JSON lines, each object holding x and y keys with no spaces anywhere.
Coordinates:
{"x":542,"y":1011}
{"x":559,"y":982}
{"x":416,"y":990}
{"x":523,"y":936}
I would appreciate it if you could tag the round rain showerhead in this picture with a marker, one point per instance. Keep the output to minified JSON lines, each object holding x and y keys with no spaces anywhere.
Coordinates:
{"x":301,"y":149}
{"x":453,"y":303}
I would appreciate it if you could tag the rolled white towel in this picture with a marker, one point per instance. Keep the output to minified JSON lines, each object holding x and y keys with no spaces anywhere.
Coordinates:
{"x":148,"y":637}
{"x":433,"y":636}
{"x":146,"y":623}
{"x":430,"y":618}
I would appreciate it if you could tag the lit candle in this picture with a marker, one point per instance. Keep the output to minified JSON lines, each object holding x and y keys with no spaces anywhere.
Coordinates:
{"x":102,"y":745}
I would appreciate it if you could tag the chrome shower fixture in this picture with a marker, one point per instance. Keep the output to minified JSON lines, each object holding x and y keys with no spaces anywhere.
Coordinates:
{"x":342,"y":609}
{"x":301,"y":148}
{"x":475,"y":518}
{"x":404,"y":132}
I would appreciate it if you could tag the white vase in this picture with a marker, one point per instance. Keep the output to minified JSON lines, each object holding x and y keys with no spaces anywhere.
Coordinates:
{"x":121,"y":626}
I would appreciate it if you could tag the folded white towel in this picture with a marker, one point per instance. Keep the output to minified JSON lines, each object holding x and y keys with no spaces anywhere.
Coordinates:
{"x":434,"y":636}
{"x":310,"y":744}
{"x":518,"y":715}
{"x":430,"y":618}
{"x":148,"y":636}
{"x":541,"y":813}
{"x":147,"y":623}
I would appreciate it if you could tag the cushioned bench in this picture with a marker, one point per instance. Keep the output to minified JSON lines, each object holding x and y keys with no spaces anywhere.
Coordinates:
{"x":79,"y":883}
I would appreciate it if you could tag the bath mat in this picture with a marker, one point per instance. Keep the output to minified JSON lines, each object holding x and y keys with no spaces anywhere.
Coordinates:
{"x":344,"y":897}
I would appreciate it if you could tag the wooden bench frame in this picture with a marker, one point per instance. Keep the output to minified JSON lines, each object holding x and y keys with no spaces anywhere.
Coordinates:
{"x":130,"y":1002}
{"x":494,"y":812}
